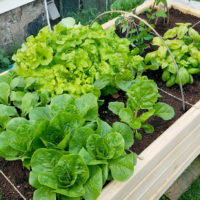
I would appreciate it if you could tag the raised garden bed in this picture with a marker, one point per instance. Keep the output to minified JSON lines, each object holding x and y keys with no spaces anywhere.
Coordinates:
{"x":160,"y":162}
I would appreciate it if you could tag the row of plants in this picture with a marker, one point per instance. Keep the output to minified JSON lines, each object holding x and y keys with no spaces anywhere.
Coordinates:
{"x":49,"y":105}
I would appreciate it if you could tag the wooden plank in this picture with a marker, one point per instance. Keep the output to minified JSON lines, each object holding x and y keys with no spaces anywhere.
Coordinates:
{"x":184,"y":8}
{"x":187,"y":160}
{"x":1,"y":74}
{"x":166,"y":167}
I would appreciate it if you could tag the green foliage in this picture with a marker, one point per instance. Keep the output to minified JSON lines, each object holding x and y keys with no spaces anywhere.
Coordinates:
{"x":84,"y":17}
{"x":16,"y":97}
{"x":67,"y":146}
{"x":184,"y":42}
{"x":60,"y":138}
{"x":164,"y":197}
{"x":46,"y":128}
{"x":193,"y":191}
{"x":4,"y":59}
{"x":153,"y":15}
{"x":142,"y":98}
{"x":63,"y":173}
{"x":73,"y":58}
{"x":126,"y":5}
{"x":161,"y":13}
{"x":139,"y":36}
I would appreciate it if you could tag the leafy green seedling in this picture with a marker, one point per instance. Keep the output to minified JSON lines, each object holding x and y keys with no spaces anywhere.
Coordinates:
{"x":141,"y":105}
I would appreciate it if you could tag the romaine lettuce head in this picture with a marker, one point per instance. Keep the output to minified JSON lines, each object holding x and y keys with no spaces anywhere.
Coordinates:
{"x":59,"y":171}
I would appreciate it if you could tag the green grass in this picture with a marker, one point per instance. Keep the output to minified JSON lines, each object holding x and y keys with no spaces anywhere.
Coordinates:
{"x":193,"y":192}
{"x":164,"y":198}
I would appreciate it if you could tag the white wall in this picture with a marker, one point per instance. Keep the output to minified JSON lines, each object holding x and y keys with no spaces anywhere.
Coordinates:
{"x":7,"y":5}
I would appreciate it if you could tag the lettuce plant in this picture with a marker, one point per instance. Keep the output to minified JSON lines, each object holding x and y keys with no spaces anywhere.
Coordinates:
{"x":17,"y":98}
{"x":70,"y":151}
{"x":94,"y":155}
{"x":58,"y":172}
{"x":184,"y":42}
{"x":141,"y":105}
{"x":49,"y":126}
{"x":71,"y":58}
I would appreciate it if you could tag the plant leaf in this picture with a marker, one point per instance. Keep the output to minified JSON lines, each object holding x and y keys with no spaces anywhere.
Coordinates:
{"x":126,"y":132}
{"x":94,"y":184}
{"x":88,"y":107}
{"x":122,"y":168}
{"x":40,"y":113}
{"x":29,"y":101}
{"x":126,"y":115}
{"x":164,"y":111}
{"x":44,"y":193}
{"x":79,"y":139}
{"x":4,"y":93}
{"x":115,"y":107}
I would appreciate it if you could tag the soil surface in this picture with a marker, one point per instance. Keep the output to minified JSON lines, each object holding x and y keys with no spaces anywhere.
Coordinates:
{"x":19,"y":175}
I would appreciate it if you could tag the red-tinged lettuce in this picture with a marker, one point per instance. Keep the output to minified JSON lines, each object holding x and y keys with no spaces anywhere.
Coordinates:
{"x":71,"y":58}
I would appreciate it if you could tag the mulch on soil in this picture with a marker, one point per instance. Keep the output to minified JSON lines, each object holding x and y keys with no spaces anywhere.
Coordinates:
{"x":19,"y":175}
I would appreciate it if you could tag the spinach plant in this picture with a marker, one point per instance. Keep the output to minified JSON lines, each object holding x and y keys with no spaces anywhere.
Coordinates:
{"x":141,"y":105}
{"x":184,"y":42}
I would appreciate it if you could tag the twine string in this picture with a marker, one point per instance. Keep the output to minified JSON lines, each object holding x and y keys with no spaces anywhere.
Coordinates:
{"x":21,"y":195}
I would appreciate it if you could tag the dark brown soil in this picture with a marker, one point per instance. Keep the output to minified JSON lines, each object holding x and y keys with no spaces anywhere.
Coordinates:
{"x":19,"y":175}
{"x":176,"y":17}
